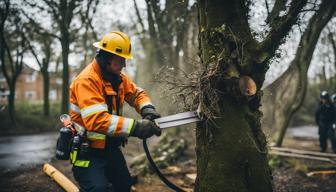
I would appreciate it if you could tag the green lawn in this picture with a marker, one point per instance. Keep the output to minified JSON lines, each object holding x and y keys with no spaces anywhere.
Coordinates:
{"x":29,"y":118}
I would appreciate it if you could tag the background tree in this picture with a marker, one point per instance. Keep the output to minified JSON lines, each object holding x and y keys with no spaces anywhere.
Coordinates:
{"x":287,"y":93}
{"x":43,"y":57}
{"x":166,"y":35}
{"x":63,"y":15}
{"x":12,"y":49}
{"x":331,"y":38}
{"x":231,"y":148}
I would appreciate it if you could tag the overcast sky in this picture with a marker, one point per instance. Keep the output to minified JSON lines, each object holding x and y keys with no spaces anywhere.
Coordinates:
{"x":111,"y":13}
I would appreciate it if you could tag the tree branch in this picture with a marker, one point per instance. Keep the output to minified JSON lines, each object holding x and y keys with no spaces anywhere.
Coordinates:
{"x":10,"y":59}
{"x":279,"y":5}
{"x":280,"y":28}
{"x":32,"y":50}
{"x":155,"y":8}
{"x":138,"y":16}
{"x":37,"y":27}
{"x":267,"y":9}
{"x":333,"y":43}
{"x":53,"y":9}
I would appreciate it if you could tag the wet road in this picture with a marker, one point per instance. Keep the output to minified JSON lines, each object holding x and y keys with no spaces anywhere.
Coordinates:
{"x":28,"y":150}
{"x":25,"y":151}
{"x":307,"y":131}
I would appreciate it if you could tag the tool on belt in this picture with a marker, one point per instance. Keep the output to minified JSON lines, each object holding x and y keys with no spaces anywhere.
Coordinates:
{"x":72,"y":143}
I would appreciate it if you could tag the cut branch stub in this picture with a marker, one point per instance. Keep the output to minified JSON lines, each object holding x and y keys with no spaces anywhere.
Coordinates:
{"x":247,"y":86}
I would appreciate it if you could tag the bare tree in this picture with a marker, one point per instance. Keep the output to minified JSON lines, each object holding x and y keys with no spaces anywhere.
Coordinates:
{"x":63,"y":14}
{"x":12,"y":49}
{"x":45,"y":42}
{"x":331,"y":37}
{"x":167,"y":32}
{"x":230,"y":145}
{"x":287,"y":93}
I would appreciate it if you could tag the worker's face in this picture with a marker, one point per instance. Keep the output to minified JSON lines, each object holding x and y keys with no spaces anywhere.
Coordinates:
{"x":117,"y":63}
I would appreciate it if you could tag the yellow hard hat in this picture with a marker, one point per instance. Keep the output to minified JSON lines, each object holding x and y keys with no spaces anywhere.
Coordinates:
{"x":117,"y":43}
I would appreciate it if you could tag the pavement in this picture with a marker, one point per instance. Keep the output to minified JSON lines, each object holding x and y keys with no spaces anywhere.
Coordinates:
{"x":26,"y":150}
{"x":306,"y":131}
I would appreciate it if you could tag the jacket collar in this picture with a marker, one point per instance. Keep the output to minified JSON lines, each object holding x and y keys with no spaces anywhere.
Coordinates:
{"x":97,"y":69}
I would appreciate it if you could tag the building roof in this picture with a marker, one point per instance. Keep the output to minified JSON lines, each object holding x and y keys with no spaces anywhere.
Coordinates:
{"x":27,"y":69}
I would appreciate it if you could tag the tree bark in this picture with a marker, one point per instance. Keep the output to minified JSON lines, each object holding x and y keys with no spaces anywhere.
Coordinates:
{"x":230,"y":146}
{"x":11,"y":101}
{"x":65,"y":86}
{"x":11,"y":65}
{"x":286,"y":95}
{"x":333,"y":44}
{"x":46,"y":104}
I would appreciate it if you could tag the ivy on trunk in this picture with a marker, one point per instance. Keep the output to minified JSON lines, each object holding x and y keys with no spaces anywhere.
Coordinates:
{"x":231,"y":148}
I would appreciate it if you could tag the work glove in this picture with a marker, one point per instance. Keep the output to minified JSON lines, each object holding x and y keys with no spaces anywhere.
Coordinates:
{"x":144,"y":129}
{"x":334,"y":126}
{"x":149,"y":113}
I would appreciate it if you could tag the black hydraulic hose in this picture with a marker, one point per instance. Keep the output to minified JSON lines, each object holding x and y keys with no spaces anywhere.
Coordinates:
{"x":158,"y":172}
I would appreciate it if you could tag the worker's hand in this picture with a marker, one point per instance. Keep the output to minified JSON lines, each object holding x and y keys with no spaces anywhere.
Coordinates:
{"x":150,"y":114}
{"x":144,"y":129}
{"x":334,"y":126}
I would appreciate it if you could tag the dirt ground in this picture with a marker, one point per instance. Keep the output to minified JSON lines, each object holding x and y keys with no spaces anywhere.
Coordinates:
{"x":289,"y":175}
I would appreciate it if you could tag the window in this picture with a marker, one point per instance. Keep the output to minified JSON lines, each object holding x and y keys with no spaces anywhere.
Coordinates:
{"x":53,"y":95}
{"x":4,"y":93}
{"x":30,"y":78}
{"x":30,"y":95}
{"x":59,"y":81}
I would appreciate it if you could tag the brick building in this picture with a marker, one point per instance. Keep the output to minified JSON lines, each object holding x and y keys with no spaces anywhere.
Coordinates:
{"x":3,"y":90}
{"x":29,"y":87}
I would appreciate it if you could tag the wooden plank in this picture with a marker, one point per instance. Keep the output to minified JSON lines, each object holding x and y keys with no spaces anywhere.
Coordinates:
{"x":325,"y":172}
{"x":313,"y":153}
{"x":286,"y":154}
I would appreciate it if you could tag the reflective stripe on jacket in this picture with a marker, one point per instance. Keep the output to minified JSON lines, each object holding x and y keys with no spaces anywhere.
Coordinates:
{"x":89,"y":109}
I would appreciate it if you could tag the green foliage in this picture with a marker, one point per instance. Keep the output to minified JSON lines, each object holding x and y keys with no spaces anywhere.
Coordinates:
{"x":297,"y":164}
{"x":275,"y":161}
{"x":30,"y":119}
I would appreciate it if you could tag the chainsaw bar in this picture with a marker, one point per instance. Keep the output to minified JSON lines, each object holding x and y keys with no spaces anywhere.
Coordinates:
{"x":177,"y":119}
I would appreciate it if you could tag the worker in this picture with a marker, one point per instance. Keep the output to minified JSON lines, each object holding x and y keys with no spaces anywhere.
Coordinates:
{"x":333,"y":99}
{"x":325,"y":117}
{"x":97,"y":96}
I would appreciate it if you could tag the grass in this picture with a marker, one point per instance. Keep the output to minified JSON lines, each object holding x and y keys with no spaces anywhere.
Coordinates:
{"x":29,"y":118}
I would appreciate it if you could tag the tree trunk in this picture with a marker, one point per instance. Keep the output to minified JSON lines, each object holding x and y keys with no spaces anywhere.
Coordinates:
{"x":333,"y":44}
{"x":11,"y":101}
{"x":230,"y":146}
{"x":65,"y":86}
{"x":46,"y":106}
{"x":286,"y":95}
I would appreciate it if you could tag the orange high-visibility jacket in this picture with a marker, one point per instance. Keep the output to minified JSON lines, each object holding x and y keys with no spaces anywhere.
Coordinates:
{"x":88,"y":107}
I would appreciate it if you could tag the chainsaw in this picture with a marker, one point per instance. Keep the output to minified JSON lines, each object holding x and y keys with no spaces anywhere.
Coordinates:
{"x":168,"y":122}
{"x":178,"y":119}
